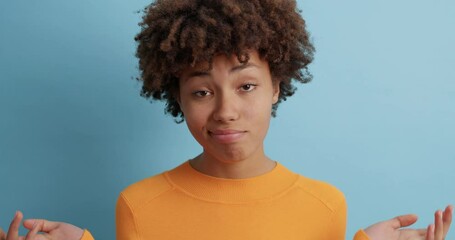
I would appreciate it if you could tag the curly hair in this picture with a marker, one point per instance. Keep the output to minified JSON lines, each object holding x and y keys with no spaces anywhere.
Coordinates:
{"x":176,"y":34}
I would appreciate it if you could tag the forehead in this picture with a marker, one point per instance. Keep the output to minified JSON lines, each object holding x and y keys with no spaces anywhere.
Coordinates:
{"x":222,"y":62}
{"x":217,"y":60}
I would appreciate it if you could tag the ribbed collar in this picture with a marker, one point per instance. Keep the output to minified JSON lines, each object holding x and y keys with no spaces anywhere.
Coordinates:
{"x":260,"y":188}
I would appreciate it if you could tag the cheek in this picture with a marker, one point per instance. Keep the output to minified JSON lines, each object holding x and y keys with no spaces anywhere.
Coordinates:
{"x":259,"y":113}
{"x":195,"y":120}
{"x":195,"y":129}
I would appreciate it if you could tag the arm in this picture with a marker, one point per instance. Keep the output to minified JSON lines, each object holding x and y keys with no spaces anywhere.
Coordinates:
{"x":338,"y":224}
{"x":361,"y":235}
{"x":87,"y":235}
{"x":337,"y":230}
{"x":125,"y":221}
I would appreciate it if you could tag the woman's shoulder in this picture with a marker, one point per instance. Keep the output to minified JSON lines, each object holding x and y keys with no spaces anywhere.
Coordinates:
{"x":149,"y":186}
{"x":147,"y":189}
{"x":321,"y":191}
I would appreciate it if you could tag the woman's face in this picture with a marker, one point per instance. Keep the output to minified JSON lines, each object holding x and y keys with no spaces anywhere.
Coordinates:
{"x":228,"y":108}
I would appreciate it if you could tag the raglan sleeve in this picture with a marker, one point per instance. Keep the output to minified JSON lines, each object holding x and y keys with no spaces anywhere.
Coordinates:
{"x":338,"y":223}
{"x":126,"y":228}
{"x":338,"y":220}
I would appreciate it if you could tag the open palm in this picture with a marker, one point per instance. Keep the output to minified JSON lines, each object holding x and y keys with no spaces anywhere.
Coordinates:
{"x":40,"y":229}
{"x":393,"y":229}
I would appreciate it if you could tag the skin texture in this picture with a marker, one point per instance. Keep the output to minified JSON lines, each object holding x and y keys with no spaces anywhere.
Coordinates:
{"x":387,"y":230}
{"x":393,"y":228}
{"x":175,"y":34}
{"x":228,"y":110}
{"x":40,"y":229}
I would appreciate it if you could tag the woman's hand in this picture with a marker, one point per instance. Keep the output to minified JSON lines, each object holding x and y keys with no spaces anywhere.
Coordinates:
{"x":13,"y":231}
{"x":392,"y":229}
{"x":40,"y":229}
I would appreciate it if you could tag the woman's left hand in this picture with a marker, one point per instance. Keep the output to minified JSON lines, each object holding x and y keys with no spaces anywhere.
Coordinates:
{"x":392,"y":229}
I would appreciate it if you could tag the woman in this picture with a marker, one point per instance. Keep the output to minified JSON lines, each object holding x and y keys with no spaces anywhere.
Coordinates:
{"x":223,"y":67}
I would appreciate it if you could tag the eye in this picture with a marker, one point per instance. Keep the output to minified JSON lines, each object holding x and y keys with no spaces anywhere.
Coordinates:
{"x":202,"y":93}
{"x":248,"y":87}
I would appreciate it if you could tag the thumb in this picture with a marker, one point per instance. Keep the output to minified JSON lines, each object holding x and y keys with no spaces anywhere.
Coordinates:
{"x":47,"y":226}
{"x":403,"y":220}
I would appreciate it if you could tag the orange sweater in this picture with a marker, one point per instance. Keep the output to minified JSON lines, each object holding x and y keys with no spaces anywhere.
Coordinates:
{"x":185,"y":204}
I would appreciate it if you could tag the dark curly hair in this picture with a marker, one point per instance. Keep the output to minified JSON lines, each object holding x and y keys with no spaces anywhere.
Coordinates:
{"x":176,"y":34}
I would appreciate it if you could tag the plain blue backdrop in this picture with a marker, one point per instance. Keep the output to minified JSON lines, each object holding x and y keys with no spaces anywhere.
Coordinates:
{"x":377,"y":121}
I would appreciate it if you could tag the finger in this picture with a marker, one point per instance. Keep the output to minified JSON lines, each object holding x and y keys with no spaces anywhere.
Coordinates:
{"x":421,"y":232}
{"x":2,"y":234}
{"x":13,"y":231}
{"x":36,"y":228}
{"x":47,"y":226}
{"x":414,"y":233}
{"x":430,"y":232}
{"x":447,"y":218}
{"x":403,"y":221}
{"x":439,"y":226}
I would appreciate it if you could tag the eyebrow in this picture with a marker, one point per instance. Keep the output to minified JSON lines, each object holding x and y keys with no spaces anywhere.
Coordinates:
{"x":232,"y":70}
{"x":242,"y":66}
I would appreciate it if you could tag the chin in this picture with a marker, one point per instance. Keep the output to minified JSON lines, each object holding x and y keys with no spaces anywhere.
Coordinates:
{"x":231,"y":155}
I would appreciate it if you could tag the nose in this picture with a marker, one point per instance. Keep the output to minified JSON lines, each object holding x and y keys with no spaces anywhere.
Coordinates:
{"x":226,"y":108}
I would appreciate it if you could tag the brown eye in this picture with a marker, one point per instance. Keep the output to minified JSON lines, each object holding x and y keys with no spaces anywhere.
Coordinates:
{"x":248,"y":87}
{"x":202,"y":93}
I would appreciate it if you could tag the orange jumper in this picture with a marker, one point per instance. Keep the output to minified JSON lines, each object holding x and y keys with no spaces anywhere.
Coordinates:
{"x":185,"y":204}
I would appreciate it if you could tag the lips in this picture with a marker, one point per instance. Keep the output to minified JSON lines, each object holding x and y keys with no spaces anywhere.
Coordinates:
{"x":226,"y":135}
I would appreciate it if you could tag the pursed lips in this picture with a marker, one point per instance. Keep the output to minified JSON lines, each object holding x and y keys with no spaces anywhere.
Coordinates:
{"x":226,"y":135}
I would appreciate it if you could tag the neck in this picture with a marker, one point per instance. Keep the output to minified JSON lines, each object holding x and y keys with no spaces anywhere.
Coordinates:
{"x":246,"y":168}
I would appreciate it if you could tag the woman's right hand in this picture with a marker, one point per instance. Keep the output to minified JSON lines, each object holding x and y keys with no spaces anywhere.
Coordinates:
{"x":49,"y":230}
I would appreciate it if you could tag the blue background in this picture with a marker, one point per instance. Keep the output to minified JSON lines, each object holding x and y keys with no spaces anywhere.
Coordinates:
{"x":377,"y":121}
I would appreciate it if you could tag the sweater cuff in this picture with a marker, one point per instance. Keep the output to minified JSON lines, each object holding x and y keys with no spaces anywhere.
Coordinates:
{"x":87,"y":236}
{"x":361,"y":235}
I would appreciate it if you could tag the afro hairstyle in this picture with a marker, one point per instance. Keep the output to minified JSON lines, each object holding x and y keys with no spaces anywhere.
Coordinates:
{"x":176,"y":34}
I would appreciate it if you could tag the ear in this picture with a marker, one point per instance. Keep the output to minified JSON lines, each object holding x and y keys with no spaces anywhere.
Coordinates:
{"x":276,"y":90}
